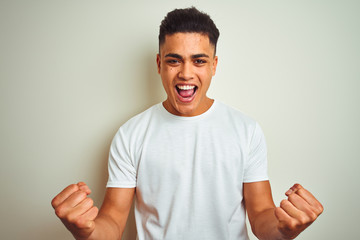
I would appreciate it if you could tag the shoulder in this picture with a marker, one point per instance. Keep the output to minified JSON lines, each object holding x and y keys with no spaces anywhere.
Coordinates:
{"x":134,"y":128}
{"x":245,"y":126}
{"x":234,"y":115}
{"x":142,"y":117}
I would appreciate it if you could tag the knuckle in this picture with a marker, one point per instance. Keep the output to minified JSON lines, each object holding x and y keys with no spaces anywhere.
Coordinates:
{"x":303,"y":220}
{"x":79,"y":223}
{"x":277,"y":211}
{"x":313,"y":216}
{"x":320,"y":209}
{"x":301,"y":191}
{"x":292,"y":197}
{"x":60,"y":212}
{"x":82,"y":194}
{"x":283,"y":203}
{"x":294,"y":187}
{"x":89,"y":201}
{"x":78,"y":196}
{"x":70,"y":218}
{"x":54,"y":202}
{"x":292,"y":224}
{"x":73,"y":187}
{"x":96,"y":209}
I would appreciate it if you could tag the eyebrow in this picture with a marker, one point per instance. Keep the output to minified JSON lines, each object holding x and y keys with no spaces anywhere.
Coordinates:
{"x":175,"y":55}
{"x":200,"y":55}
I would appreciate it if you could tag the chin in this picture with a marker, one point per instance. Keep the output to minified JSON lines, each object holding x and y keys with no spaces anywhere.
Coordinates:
{"x":187,"y":110}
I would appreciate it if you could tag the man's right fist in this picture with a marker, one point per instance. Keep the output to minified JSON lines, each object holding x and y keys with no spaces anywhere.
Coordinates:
{"x":76,"y":210}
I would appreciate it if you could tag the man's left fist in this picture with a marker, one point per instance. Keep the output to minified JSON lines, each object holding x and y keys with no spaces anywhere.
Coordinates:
{"x":297,"y":212}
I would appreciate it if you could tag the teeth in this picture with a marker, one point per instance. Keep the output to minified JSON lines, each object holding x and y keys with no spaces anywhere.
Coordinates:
{"x":185,"y":87}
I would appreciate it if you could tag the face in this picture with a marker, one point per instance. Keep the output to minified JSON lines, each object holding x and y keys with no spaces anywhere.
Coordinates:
{"x":186,"y":64}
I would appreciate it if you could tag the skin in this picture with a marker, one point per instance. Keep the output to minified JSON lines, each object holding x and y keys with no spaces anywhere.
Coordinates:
{"x":287,"y":221}
{"x":77,"y":212}
{"x":186,"y":59}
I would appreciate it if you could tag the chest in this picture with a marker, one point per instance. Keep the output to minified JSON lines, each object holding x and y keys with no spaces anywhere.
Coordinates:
{"x":188,"y":154}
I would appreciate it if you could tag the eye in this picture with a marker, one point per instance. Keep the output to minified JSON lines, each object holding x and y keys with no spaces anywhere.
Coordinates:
{"x":199,"y":61}
{"x":172,"y":61}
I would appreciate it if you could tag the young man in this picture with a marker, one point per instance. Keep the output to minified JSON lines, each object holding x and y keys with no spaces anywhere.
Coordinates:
{"x":195,"y":164}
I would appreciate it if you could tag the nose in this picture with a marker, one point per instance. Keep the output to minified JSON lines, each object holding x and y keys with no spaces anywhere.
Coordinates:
{"x":186,"y":71}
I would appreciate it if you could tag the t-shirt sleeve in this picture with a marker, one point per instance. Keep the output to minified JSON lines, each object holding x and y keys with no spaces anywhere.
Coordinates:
{"x":122,"y":173}
{"x":256,"y":164}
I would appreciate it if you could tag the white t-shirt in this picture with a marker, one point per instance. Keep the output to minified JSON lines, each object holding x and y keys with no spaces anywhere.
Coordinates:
{"x":188,"y":171}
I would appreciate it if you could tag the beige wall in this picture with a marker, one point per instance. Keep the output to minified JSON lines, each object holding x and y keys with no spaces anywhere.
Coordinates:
{"x":71,"y":72}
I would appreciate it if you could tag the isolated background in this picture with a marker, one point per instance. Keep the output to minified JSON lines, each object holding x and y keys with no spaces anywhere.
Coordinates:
{"x":72,"y":72}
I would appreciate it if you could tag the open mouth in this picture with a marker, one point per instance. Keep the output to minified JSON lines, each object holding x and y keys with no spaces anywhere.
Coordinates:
{"x":185,"y":92}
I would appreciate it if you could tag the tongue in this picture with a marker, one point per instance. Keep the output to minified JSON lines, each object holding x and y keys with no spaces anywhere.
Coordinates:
{"x":186,"y":93}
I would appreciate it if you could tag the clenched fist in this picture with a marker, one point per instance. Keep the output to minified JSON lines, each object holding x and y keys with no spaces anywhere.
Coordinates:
{"x":297,"y":212}
{"x":76,"y":210}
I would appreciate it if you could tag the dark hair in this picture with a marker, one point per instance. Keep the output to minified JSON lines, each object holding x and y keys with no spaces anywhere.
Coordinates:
{"x":188,"y":20}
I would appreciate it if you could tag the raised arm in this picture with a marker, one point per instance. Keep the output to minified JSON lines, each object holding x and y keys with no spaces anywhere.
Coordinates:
{"x":260,"y":208}
{"x":75,"y":209}
{"x":294,"y":215}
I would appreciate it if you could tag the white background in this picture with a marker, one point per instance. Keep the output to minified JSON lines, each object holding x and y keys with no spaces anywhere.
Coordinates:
{"x":71,"y":72}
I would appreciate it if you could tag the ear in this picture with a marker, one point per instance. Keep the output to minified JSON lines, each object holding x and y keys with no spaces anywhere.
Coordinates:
{"x":158,"y":62}
{"x":215,"y":62}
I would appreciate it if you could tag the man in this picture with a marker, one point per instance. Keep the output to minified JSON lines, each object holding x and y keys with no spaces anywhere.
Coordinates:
{"x":195,"y":164}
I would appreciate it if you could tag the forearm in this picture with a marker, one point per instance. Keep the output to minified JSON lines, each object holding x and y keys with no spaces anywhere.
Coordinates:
{"x":287,"y":221}
{"x":265,"y":226}
{"x":105,"y":228}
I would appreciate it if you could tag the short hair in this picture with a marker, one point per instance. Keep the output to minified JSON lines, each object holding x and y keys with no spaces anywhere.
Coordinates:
{"x":188,"y":20}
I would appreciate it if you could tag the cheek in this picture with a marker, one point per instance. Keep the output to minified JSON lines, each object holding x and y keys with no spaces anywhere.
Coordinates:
{"x":172,"y":71}
{"x":169,"y":73}
{"x":206,"y":76}
{"x":166,"y":81}
{"x":167,"y":70}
